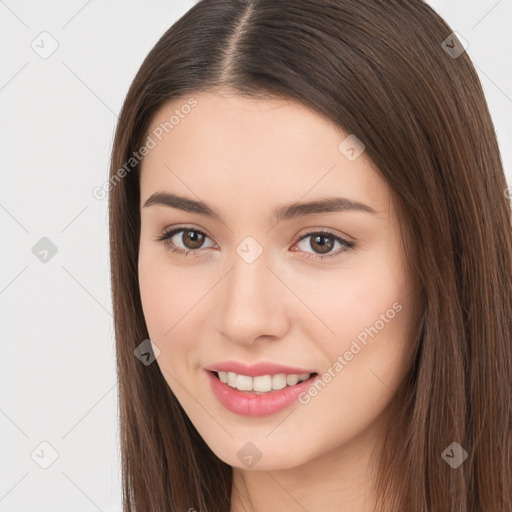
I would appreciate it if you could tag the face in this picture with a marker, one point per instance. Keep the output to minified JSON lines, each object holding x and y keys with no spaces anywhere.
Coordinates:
{"x":242,"y":281}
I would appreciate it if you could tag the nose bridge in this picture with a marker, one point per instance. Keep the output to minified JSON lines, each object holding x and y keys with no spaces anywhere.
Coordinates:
{"x":250,"y":306}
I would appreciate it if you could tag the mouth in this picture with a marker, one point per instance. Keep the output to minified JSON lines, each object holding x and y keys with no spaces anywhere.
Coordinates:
{"x":261,"y":384}
{"x":259,"y":395}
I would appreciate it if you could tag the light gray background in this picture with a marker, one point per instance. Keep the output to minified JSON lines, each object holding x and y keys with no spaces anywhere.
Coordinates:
{"x":57,"y":374}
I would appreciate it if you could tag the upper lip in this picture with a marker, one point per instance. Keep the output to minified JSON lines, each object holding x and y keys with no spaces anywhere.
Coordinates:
{"x":257,"y":369}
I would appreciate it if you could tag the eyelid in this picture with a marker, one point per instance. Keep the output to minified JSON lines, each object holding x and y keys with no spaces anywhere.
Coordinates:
{"x":310,"y":231}
{"x":169,"y":233}
{"x":314,"y":230}
{"x":182,"y":227}
{"x":347,"y":243}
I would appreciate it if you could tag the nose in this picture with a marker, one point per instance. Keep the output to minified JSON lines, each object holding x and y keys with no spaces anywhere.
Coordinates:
{"x":252,"y":302}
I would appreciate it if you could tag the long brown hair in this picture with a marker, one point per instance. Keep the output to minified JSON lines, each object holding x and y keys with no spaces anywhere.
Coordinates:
{"x":386,"y":71}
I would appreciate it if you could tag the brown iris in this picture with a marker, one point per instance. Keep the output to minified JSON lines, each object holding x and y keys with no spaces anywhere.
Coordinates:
{"x":194,"y":238}
{"x":318,"y":243}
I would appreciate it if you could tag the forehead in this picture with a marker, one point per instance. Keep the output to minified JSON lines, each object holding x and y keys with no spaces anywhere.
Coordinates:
{"x":270,"y":150}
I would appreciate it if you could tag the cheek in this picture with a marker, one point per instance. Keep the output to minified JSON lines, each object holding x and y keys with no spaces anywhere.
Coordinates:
{"x":160,"y":307}
{"x":367,"y":361}
{"x":369,"y":313}
{"x":170,"y":297}
{"x":167,"y":293}
{"x":349,"y":302}
{"x":153,"y":298}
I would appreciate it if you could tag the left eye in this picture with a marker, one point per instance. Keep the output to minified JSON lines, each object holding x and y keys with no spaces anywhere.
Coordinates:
{"x":322,"y":242}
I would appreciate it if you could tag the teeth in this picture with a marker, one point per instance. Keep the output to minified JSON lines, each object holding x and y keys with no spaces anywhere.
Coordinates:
{"x":291,"y":380}
{"x":243,"y":383}
{"x":262,"y":383}
{"x":232,"y":379}
{"x":279,"y":381}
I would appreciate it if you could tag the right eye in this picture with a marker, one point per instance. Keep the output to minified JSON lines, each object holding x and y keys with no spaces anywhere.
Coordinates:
{"x":192,"y":239}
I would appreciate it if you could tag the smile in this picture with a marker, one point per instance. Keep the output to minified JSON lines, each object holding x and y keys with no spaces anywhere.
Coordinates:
{"x":263,"y":383}
{"x":262,"y":399}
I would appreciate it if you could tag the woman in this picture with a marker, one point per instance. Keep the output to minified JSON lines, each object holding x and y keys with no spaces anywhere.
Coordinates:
{"x":311,"y":261}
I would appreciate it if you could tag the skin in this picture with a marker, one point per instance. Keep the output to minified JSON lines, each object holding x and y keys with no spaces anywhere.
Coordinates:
{"x":244,"y":157}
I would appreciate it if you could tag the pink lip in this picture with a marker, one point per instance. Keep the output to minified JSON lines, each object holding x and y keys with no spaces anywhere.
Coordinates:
{"x":255,"y":370}
{"x":251,"y":404}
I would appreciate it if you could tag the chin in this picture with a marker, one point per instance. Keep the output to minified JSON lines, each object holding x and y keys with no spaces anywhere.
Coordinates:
{"x":259,"y":455}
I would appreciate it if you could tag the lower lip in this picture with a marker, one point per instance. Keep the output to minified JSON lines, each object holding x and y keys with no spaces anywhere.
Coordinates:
{"x":252,"y":404}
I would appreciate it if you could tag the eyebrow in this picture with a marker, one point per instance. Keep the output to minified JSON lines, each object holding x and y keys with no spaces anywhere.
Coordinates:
{"x":287,"y":212}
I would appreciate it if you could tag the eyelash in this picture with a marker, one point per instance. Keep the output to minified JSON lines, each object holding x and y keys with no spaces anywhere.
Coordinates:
{"x":165,"y":240}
